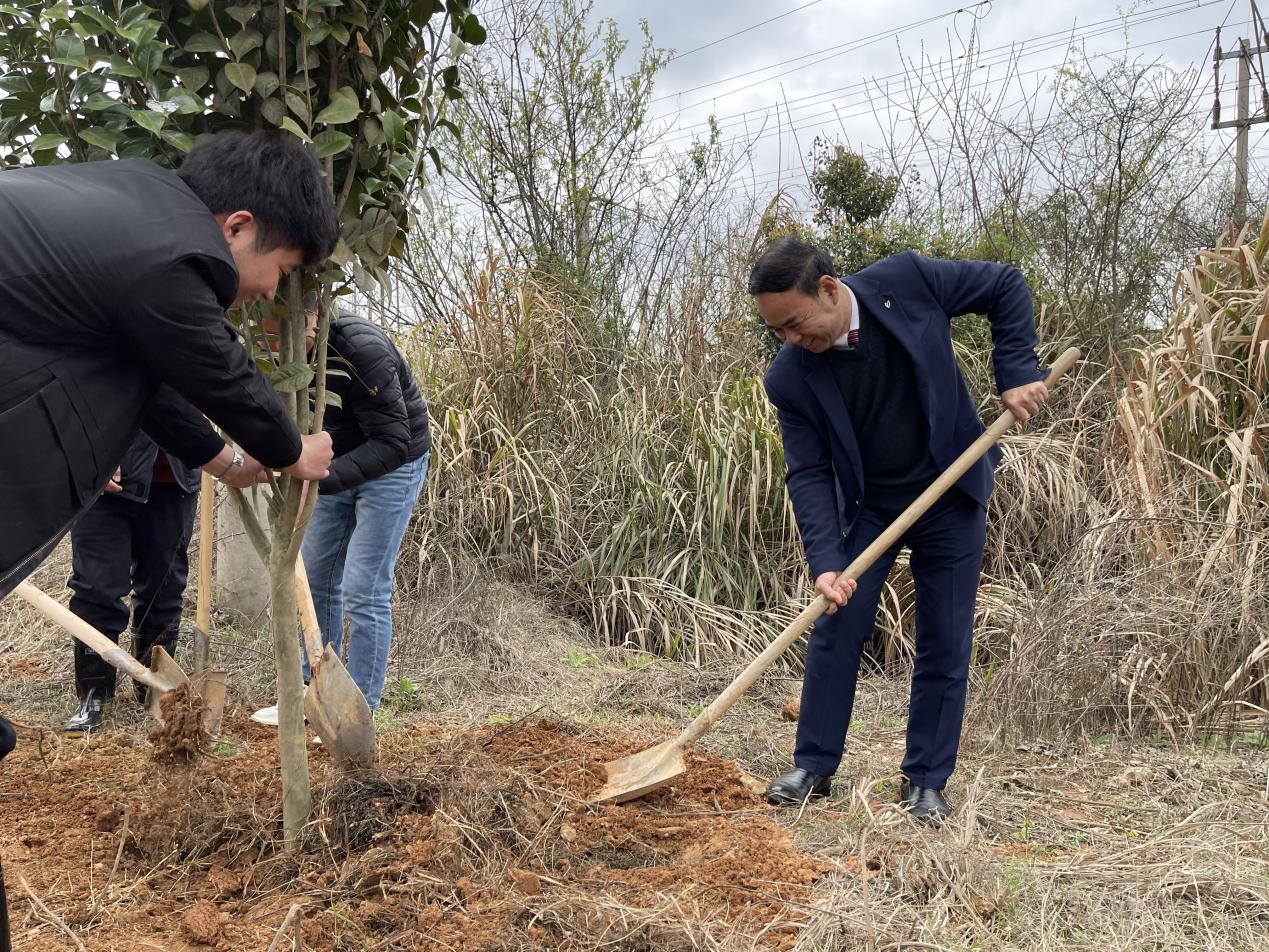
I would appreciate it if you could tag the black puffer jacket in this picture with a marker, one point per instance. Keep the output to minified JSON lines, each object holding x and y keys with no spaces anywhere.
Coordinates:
{"x":381,"y":421}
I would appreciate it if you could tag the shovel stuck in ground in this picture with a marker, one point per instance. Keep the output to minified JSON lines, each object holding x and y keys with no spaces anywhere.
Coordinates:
{"x":632,"y":777}
{"x":333,"y":703}
{"x":211,"y":686}
{"x":162,"y":676}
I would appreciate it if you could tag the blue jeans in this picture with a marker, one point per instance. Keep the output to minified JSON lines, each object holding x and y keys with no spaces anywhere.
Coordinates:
{"x":350,"y":552}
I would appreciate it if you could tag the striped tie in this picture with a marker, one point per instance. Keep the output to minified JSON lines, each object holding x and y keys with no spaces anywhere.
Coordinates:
{"x":852,"y":338}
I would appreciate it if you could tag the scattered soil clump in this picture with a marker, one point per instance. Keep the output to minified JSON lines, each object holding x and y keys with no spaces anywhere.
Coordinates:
{"x":179,"y":739}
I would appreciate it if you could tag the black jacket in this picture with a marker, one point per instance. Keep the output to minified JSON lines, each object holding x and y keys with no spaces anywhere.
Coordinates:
{"x":380,"y":423}
{"x":137,"y":470}
{"x":114,"y":278}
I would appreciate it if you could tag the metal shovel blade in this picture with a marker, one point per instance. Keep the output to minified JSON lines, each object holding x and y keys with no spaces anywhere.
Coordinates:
{"x":631,"y":777}
{"x":338,"y":712}
{"x":168,"y":675}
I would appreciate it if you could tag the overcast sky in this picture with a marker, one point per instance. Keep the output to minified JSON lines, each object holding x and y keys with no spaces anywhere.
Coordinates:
{"x":838,"y":92}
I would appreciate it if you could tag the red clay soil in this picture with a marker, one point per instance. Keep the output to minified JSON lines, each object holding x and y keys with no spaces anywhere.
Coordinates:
{"x":479,"y":841}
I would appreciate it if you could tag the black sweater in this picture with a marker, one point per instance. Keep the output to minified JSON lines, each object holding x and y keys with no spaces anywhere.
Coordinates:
{"x":380,"y":423}
{"x":878,"y":383}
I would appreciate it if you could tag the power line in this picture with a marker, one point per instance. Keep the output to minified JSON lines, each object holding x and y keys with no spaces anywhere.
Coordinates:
{"x":1096,"y":28}
{"x":865,"y":96}
{"x":847,"y":47}
{"x":723,"y":39}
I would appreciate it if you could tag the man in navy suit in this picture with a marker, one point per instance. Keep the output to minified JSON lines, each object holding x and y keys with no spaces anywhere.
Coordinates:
{"x":872,"y":407}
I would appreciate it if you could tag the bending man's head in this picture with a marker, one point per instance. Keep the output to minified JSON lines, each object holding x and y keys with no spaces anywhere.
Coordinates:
{"x":274,"y":207}
{"x":798,"y":295}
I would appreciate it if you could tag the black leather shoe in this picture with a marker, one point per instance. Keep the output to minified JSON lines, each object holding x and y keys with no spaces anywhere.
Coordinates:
{"x":88,"y":717}
{"x":924,"y":804}
{"x":792,"y":788}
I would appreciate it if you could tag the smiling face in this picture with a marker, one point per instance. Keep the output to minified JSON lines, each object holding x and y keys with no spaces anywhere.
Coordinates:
{"x":809,"y":322}
{"x":259,"y":272}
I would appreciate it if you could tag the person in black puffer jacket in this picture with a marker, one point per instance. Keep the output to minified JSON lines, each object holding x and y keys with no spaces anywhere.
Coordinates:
{"x":379,"y":429}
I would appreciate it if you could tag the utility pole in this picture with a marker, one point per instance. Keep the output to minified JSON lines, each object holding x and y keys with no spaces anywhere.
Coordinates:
{"x":1245,"y":120}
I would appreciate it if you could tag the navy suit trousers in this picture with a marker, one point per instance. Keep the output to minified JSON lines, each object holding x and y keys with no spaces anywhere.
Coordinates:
{"x":946,"y":547}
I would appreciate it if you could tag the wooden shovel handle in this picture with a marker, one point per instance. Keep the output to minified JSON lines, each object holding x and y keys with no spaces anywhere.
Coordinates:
{"x":110,"y":652}
{"x":800,"y":625}
{"x":206,"y":535}
{"x":308,"y":614}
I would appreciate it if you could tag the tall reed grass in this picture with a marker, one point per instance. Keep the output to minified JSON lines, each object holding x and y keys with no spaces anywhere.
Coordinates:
{"x":642,"y":491}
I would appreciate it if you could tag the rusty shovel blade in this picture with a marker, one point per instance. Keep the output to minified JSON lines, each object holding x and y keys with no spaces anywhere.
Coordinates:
{"x":337,"y":710}
{"x":632,"y":777}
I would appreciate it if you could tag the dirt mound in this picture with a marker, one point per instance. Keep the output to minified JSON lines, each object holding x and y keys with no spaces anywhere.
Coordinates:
{"x":478,"y":841}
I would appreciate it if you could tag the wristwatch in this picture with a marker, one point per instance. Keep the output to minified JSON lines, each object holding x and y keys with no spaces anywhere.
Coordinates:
{"x":234,"y":466}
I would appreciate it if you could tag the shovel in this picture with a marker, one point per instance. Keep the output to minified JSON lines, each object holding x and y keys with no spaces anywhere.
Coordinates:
{"x":162,"y":676}
{"x":212,"y":686}
{"x":632,"y":777}
{"x":333,"y":703}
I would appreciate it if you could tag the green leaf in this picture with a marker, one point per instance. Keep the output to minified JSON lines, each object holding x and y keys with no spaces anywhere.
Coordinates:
{"x":242,"y":75}
{"x":85,"y":84}
{"x":290,"y":126}
{"x":197,"y":5}
{"x":297,"y":105}
{"x":291,"y":378}
{"x":194,"y":78}
{"x":342,"y":254}
{"x":317,"y":34}
{"x":121,"y":67}
{"x":393,"y":127}
{"x":181,"y":140}
{"x":343,"y":108}
{"x":99,"y":20}
{"x":149,"y":57}
{"x":101,"y":137}
{"x":203,"y":43}
{"x":132,"y":15}
{"x":50,"y":140}
{"x":333,"y":399}
{"x":273,"y":110}
{"x":58,"y":11}
{"x":471,"y":31}
{"x":243,"y":14}
{"x":15,"y":83}
{"x":186,"y":104}
{"x":143,"y":32}
{"x":150,"y":121}
{"x":98,"y":102}
{"x":266,"y":84}
{"x":245,"y":41}
{"x":70,"y":51}
{"x":48,"y":102}
{"x":340,"y":33}
{"x":330,"y":143}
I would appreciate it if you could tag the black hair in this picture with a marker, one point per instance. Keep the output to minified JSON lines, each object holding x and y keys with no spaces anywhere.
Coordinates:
{"x":788,"y":264}
{"x":274,"y":177}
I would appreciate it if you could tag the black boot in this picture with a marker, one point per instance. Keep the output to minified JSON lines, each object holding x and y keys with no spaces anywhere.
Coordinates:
{"x":144,"y":642}
{"x":924,"y":804}
{"x":796,"y":786}
{"x":88,"y":717}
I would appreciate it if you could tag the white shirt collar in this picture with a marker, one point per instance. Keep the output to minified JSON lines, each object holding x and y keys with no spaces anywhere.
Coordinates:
{"x":840,"y":343}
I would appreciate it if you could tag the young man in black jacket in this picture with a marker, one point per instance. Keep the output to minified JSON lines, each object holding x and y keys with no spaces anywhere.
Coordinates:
{"x":114,"y":279}
{"x":380,"y":431}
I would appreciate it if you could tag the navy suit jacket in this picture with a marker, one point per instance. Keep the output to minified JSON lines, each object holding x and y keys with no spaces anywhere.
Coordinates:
{"x":914,"y":298}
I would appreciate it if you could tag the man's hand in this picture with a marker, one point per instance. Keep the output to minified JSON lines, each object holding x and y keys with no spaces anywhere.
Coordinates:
{"x":836,"y":589}
{"x":115,"y":485}
{"x":250,"y":474}
{"x":315,"y":457}
{"x":1025,"y":402}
